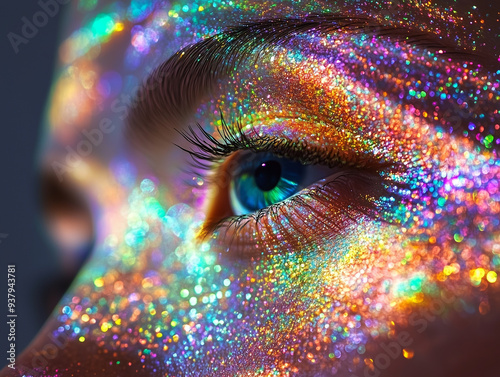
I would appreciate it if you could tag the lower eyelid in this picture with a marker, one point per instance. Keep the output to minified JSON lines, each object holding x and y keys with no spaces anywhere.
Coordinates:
{"x":316,"y":214}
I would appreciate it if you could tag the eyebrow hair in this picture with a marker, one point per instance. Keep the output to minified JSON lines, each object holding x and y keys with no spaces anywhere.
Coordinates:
{"x":173,"y":89}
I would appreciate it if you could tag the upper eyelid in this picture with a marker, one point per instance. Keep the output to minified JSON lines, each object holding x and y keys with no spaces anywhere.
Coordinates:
{"x":174,"y":89}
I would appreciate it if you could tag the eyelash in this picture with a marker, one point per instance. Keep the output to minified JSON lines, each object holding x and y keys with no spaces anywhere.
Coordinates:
{"x":334,"y":205}
{"x":337,"y":195}
{"x":207,"y":151}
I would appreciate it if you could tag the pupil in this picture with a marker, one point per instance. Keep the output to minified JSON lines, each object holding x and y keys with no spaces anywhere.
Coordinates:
{"x":267,"y":175}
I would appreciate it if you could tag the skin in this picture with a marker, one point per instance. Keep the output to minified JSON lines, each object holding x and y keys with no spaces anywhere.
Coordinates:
{"x":405,"y":289}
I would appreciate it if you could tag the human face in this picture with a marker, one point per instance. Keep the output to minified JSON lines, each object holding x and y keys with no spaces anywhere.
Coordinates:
{"x":341,"y":215}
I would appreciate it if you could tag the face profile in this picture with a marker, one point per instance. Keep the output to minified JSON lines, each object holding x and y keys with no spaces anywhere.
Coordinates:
{"x":286,"y":189}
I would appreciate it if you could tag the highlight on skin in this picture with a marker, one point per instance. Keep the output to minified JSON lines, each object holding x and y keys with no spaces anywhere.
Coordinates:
{"x":312,"y":284}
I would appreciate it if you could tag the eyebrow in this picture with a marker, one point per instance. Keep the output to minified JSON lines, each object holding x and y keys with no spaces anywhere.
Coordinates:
{"x":176,"y":87}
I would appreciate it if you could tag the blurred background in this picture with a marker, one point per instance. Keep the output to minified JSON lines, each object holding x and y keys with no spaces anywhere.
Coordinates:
{"x":25,"y":81}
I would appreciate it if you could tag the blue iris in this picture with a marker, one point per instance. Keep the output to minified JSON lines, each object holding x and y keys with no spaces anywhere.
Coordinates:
{"x":263,"y":179}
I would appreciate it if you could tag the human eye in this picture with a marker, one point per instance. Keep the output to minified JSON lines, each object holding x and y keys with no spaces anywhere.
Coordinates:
{"x":260,"y":180}
{"x":263,"y":185}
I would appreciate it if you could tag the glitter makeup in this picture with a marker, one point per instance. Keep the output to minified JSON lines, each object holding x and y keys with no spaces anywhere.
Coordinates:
{"x":330,"y":280}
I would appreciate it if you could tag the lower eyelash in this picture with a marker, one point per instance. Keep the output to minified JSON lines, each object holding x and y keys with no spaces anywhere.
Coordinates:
{"x":313,"y":216}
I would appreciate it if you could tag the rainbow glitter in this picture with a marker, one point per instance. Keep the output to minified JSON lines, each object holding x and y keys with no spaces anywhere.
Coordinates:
{"x":320,"y":283}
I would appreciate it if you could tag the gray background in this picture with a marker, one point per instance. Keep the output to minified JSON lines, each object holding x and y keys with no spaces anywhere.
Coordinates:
{"x":25,"y":81}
